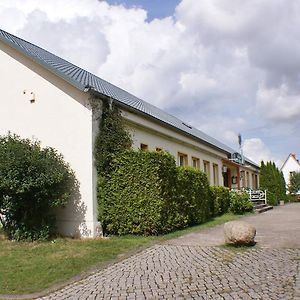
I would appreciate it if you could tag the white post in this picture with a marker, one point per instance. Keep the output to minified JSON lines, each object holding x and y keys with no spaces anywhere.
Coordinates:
{"x":265,"y":196}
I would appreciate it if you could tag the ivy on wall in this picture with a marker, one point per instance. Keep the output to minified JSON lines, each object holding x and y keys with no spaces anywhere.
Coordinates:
{"x":112,"y":139}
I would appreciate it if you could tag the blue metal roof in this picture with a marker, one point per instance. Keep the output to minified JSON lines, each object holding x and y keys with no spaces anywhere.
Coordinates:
{"x":82,"y":79}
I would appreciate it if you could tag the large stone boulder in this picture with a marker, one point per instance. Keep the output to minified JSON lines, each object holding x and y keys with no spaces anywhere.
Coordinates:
{"x":239,"y":233}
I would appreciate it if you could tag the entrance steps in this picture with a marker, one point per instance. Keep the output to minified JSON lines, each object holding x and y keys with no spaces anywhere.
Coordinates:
{"x":261,"y":206}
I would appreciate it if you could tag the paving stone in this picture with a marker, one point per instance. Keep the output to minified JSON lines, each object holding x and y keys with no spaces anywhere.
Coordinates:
{"x":193,"y":272}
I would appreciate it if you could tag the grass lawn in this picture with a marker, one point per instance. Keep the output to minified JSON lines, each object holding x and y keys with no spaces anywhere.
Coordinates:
{"x":32,"y":267}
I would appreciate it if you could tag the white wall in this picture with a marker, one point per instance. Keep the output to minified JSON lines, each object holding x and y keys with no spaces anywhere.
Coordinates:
{"x":60,"y":118}
{"x":154,"y":135}
{"x":291,"y":165}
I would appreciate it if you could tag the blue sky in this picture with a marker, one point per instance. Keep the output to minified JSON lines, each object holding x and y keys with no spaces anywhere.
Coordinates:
{"x":155,"y":8}
{"x":223,"y":66}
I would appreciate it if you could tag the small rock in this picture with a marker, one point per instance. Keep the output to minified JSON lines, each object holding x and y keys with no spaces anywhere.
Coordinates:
{"x":239,"y":233}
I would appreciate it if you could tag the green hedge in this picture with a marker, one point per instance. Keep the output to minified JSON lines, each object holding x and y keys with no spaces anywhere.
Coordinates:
{"x":145,"y":193}
{"x":221,"y":200}
{"x":137,"y":197}
{"x":194,"y":196}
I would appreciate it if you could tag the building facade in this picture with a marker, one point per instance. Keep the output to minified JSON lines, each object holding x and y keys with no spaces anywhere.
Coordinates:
{"x":290,"y":165}
{"x":49,"y":99}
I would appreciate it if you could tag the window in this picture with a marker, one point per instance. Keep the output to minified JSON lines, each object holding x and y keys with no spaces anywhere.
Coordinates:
{"x":255,"y":182}
{"x":206,"y":169}
{"x":216,"y":174}
{"x":243,"y":177}
{"x":182,"y":159}
{"x":158,"y":149}
{"x":196,"y":162}
{"x":247,"y":180}
{"x":144,"y":147}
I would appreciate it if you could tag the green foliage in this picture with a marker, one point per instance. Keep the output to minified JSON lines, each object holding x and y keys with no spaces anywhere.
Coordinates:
{"x":137,"y":196}
{"x":112,"y":139}
{"x":272,"y":180}
{"x":32,"y":182}
{"x":221,"y":199}
{"x":147,"y":194}
{"x":240,"y":203}
{"x":194,"y":196}
{"x":294,"y":185}
{"x":292,"y":198}
{"x":144,"y":192}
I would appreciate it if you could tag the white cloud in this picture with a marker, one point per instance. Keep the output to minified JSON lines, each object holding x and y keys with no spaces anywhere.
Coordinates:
{"x":278,"y":104}
{"x":76,"y":41}
{"x":256,"y":150}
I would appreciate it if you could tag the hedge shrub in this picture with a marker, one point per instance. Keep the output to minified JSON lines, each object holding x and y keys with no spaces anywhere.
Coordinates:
{"x":240,"y":203}
{"x":194,"y":196}
{"x":32,"y":182}
{"x":221,"y":200}
{"x":272,"y":180}
{"x":137,"y":197}
{"x":145,"y":193}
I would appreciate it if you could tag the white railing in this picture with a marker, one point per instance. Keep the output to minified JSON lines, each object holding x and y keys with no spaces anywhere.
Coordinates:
{"x":254,"y":195}
{"x":257,"y":195}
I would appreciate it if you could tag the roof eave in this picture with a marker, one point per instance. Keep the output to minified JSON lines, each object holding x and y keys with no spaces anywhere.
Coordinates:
{"x":43,"y":64}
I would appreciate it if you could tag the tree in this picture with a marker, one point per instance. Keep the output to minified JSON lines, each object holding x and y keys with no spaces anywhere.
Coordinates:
{"x":33,"y":181}
{"x":294,"y":185}
{"x":272,"y":180}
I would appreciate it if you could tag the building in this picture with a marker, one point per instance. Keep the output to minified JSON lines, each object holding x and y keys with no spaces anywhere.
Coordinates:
{"x":49,"y":99}
{"x":290,"y":166}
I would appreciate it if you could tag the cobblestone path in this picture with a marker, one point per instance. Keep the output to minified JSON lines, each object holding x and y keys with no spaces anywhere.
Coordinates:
{"x":193,"y":272}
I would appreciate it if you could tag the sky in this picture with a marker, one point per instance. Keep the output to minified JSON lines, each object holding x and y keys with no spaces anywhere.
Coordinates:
{"x":223,"y":66}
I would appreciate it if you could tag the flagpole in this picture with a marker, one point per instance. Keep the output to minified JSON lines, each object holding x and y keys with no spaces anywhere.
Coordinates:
{"x":241,"y":148}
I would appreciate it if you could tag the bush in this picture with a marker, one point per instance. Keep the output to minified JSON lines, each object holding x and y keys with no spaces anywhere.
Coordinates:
{"x":240,"y":203}
{"x":272,"y":180}
{"x":32,"y":182}
{"x":137,"y":197}
{"x":221,"y":200}
{"x":146,"y":193}
{"x":194,"y":196}
{"x":292,"y":198}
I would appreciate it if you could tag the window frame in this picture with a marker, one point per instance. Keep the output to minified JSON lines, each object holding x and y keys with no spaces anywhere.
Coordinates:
{"x":185,"y":159}
{"x":197,"y":162}
{"x":216,"y":174}
{"x":206,"y":170}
